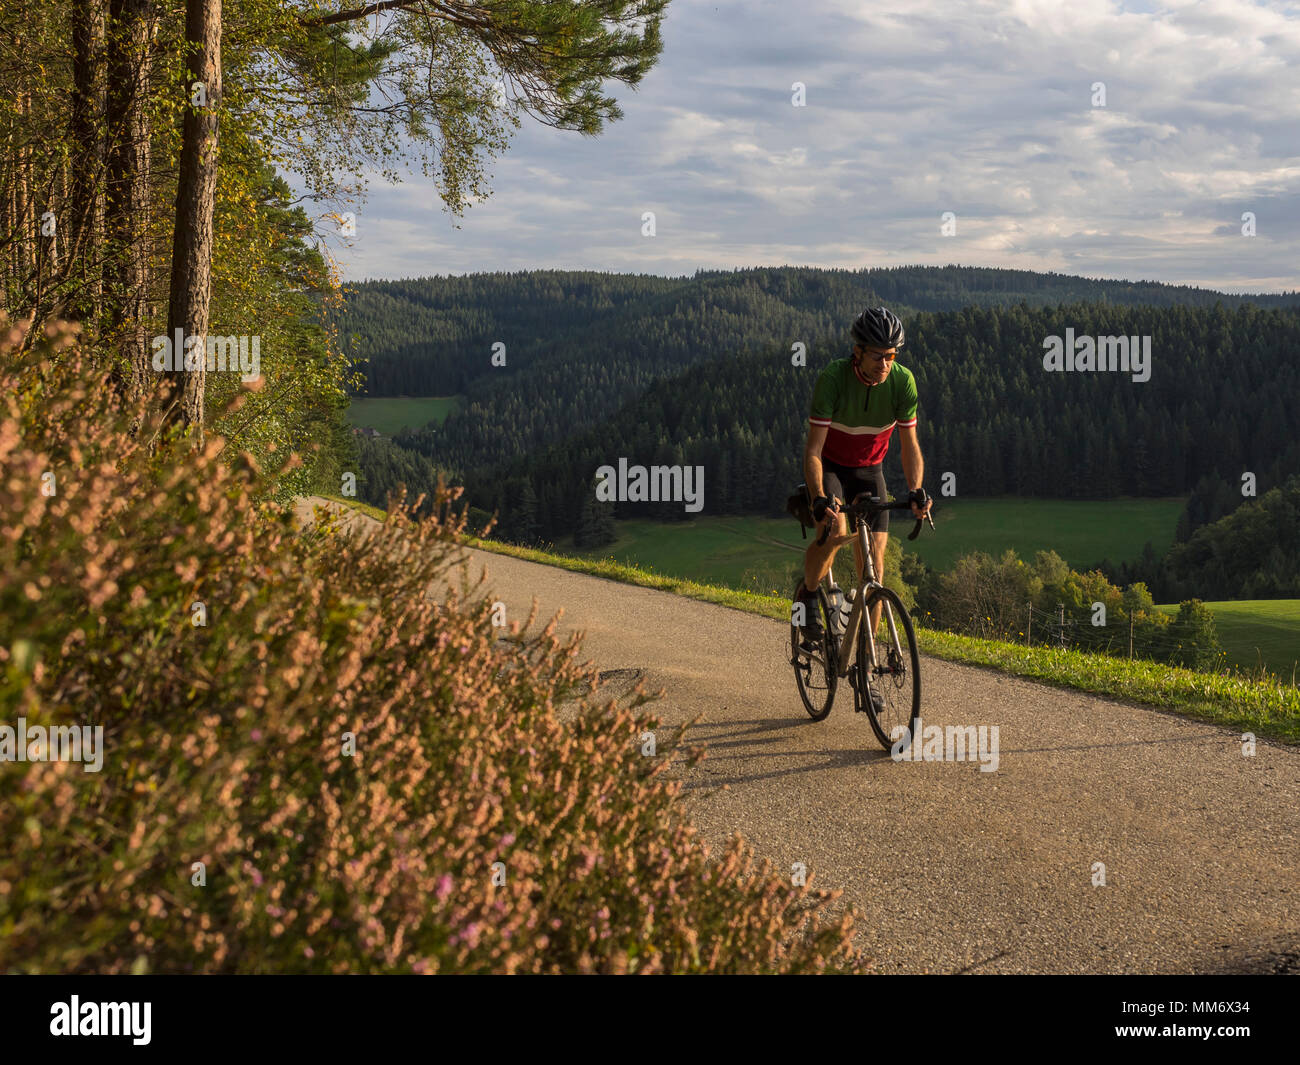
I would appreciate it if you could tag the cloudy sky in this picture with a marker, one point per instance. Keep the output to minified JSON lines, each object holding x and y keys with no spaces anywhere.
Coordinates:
{"x":983,"y":108}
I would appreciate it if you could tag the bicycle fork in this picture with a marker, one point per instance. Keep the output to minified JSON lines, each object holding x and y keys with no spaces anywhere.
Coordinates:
{"x":861,"y":615}
{"x":849,"y":637}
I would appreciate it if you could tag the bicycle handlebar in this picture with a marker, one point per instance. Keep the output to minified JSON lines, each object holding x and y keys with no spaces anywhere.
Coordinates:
{"x":869,"y":508}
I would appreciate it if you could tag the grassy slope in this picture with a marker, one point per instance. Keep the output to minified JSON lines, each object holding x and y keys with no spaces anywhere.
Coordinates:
{"x":1267,"y":710}
{"x":735,"y":552}
{"x":1253,"y":628}
{"x":1083,"y":532}
{"x":764,"y":555}
{"x":759,"y":554}
{"x":389,"y":414}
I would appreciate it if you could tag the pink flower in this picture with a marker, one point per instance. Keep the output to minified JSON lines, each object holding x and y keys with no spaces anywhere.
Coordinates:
{"x":445,"y":884}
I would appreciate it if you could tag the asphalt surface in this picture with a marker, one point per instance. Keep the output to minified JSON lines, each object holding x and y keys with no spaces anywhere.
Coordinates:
{"x":951,"y":868}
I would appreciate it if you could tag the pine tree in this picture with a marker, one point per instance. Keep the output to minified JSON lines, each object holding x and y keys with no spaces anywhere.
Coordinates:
{"x":525,"y":514}
{"x":595,"y":527}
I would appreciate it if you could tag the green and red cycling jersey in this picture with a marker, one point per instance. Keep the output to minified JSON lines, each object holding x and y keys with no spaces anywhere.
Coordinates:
{"x":859,"y":417}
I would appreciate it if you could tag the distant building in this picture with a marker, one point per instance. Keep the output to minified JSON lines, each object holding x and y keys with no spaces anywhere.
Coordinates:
{"x":365,"y":430}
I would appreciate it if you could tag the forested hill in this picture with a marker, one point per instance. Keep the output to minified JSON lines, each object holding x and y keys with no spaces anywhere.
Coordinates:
{"x":1253,"y":553}
{"x":433,"y":335}
{"x":1219,"y":403}
{"x":578,"y":346}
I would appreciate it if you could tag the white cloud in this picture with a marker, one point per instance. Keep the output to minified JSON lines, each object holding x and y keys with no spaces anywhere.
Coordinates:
{"x":980,"y":108}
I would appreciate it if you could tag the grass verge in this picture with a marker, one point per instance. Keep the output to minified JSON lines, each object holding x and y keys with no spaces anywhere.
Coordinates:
{"x":391,"y":414}
{"x":1236,"y":702}
{"x":356,"y":504}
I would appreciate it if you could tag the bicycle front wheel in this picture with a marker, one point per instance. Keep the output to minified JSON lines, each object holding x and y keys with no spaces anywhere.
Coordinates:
{"x":815,"y":674}
{"x":896,"y":676}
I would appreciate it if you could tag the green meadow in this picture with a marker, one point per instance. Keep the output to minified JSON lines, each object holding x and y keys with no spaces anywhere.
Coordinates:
{"x":1259,"y":630}
{"x":391,"y":414}
{"x":754,"y":554}
{"x":762,"y":554}
{"x":1083,"y":532}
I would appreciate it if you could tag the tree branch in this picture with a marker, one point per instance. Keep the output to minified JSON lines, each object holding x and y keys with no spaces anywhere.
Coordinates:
{"x":355,"y":14}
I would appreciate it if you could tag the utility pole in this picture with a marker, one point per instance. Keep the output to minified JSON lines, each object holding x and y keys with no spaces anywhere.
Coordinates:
{"x":1029,"y":626}
{"x":1061,"y":615}
{"x":1130,"y":634}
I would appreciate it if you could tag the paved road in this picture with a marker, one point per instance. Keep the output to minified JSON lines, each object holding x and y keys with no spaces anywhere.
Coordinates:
{"x":956,"y":869}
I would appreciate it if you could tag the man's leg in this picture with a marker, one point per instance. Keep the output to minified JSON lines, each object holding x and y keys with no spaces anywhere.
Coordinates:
{"x":878,"y":541}
{"x":818,"y":558}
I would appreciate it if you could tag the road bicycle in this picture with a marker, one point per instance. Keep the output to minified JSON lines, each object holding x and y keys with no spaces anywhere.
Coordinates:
{"x":889,"y":667}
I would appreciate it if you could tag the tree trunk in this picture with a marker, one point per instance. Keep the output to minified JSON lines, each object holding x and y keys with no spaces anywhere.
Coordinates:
{"x":24,"y":228}
{"x":196,"y":189}
{"x":131,"y":29}
{"x":7,"y":214}
{"x":85,"y":221}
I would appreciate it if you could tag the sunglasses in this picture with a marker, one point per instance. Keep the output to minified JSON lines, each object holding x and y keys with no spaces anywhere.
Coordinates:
{"x":881,"y":356}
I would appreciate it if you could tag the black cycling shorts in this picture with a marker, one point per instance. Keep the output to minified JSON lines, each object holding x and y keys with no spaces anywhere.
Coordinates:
{"x":846,"y":482}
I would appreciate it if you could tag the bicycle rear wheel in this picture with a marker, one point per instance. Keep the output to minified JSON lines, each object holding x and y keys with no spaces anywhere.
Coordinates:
{"x":897,"y":674}
{"x":815,"y":673}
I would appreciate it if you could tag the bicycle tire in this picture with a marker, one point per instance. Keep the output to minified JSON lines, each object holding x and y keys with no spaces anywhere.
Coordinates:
{"x":900,"y":687}
{"x":817,"y":699}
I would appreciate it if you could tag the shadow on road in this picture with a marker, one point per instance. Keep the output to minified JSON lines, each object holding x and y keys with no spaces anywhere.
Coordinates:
{"x":755,"y":739}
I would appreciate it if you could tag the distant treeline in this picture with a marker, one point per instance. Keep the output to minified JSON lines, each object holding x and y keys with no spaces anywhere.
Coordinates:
{"x":578,"y":346}
{"x":433,"y":335}
{"x":1217,"y":406}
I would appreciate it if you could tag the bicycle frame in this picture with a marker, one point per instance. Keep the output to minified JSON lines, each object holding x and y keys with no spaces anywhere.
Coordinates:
{"x":867,"y":583}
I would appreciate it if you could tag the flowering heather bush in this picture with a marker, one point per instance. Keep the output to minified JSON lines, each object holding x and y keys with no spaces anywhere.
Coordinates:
{"x":226,"y":742}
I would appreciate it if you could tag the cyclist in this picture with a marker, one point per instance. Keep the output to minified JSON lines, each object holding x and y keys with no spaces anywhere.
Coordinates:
{"x":856,"y":405}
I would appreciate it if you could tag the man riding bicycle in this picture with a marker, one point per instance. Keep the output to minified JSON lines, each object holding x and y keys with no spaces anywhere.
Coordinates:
{"x":856,"y":404}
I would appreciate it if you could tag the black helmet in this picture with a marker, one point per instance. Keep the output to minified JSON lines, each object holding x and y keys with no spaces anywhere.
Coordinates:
{"x":877,"y":327}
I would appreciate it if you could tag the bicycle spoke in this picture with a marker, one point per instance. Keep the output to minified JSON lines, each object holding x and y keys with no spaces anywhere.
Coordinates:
{"x":814,"y":670}
{"x":895,"y":678}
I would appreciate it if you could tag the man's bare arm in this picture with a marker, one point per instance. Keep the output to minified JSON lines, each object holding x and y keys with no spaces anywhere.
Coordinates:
{"x":913,"y":464}
{"x":812,"y":459}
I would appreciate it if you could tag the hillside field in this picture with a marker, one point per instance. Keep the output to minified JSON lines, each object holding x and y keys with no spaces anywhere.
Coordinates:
{"x":1083,"y":532}
{"x":746,"y":552}
{"x":1253,"y":628}
{"x":764,"y":555}
{"x":391,"y":414}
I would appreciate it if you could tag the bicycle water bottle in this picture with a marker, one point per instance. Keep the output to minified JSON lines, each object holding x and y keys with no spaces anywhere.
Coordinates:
{"x":847,"y":609}
{"x":839,"y":611}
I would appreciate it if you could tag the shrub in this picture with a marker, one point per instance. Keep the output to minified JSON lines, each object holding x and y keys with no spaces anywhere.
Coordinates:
{"x":226,"y":741}
{"x":1195,"y":637}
